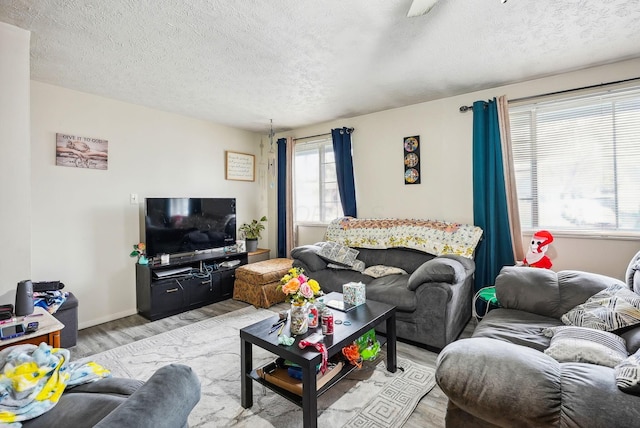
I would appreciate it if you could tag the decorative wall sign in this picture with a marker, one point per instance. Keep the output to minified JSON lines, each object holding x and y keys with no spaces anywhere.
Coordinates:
{"x":412,"y":160}
{"x":240,"y":166}
{"x":81,"y":152}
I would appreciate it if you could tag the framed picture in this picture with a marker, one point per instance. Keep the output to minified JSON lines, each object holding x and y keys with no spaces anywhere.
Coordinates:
{"x":240,"y":166}
{"x":411,"y":159}
{"x":81,"y":152}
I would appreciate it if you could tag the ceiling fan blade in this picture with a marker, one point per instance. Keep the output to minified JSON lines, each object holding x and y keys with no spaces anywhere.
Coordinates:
{"x":420,"y":7}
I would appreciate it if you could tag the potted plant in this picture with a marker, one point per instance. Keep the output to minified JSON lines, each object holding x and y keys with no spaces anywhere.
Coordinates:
{"x":251,"y":233}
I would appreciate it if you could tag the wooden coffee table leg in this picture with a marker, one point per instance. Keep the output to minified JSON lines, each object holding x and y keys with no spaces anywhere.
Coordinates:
{"x":246,"y":384}
{"x":391,"y":344}
{"x":309,"y":396}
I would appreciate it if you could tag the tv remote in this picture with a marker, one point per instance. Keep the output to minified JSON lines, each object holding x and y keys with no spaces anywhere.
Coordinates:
{"x":32,"y":327}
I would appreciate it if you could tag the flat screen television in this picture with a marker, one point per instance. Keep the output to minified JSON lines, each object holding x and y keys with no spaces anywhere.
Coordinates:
{"x":187,"y":225}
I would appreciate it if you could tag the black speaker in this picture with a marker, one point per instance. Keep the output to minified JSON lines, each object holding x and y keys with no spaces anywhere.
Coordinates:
{"x":24,"y":298}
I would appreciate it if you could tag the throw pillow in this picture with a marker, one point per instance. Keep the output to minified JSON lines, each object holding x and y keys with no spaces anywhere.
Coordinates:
{"x":338,"y":253}
{"x":613,"y":308}
{"x":628,"y":374}
{"x":585,"y":345}
{"x":358,"y":265}
{"x":379,"y":271}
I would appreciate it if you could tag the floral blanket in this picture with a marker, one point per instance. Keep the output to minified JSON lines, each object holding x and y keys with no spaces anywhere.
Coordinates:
{"x":431,"y":236}
{"x":32,"y":379}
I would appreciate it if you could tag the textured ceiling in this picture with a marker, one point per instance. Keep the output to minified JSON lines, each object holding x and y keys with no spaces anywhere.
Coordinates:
{"x":241,"y":63}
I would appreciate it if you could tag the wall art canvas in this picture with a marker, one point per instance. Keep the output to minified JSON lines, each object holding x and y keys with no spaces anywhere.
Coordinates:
{"x":81,"y":152}
{"x":411,"y":147}
{"x":240,"y":166}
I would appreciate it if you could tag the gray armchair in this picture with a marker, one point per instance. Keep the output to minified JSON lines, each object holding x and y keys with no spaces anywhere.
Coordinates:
{"x":502,"y":377}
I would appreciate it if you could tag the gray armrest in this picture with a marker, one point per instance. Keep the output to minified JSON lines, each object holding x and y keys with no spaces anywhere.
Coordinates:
{"x":307,"y":255}
{"x":165,"y":400}
{"x":439,"y":269}
{"x":475,"y":375}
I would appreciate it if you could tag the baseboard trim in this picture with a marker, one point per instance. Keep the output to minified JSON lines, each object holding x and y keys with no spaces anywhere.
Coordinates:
{"x":110,"y":317}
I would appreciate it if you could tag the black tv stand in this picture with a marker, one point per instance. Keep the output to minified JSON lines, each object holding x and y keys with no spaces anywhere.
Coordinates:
{"x":187,"y":282}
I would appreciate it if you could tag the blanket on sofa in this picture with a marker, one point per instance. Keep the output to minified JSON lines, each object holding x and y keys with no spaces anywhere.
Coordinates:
{"x":32,"y":379}
{"x":430,"y":236}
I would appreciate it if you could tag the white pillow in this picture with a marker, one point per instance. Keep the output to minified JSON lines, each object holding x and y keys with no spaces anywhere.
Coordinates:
{"x":585,"y":345}
{"x":378,"y":271}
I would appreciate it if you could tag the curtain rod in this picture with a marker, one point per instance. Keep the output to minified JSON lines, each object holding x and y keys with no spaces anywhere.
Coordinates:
{"x":464,"y":109}
{"x":349,"y":131}
{"x":312,"y":136}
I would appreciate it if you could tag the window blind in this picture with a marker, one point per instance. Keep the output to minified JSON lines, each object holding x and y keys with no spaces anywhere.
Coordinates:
{"x":577,"y":162}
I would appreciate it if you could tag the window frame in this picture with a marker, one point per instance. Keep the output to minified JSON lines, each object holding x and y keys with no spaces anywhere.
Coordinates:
{"x":321,"y":144}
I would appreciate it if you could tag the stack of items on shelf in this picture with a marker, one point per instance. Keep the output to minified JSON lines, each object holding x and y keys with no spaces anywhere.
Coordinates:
{"x":288,"y":375}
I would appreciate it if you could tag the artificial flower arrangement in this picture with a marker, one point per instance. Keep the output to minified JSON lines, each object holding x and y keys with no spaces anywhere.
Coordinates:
{"x":138,"y":251}
{"x":298,"y":287}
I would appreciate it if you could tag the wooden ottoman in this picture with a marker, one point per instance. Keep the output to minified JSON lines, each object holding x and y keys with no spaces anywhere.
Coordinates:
{"x":257,"y":283}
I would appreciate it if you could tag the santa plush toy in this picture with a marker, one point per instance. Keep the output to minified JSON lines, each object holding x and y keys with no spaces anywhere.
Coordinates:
{"x":536,"y":254}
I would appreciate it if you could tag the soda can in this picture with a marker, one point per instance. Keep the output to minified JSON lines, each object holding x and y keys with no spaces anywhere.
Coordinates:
{"x":327,"y":322}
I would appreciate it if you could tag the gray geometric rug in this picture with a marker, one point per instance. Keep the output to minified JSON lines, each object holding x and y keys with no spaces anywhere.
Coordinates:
{"x":370,"y":397}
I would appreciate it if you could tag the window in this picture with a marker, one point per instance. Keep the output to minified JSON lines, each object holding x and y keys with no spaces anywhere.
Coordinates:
{"x":315,"y":184}
{"x":577,"y":162}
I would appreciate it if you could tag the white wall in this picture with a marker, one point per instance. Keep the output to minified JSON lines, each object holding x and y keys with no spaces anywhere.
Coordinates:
{"x":15,"y":183}
{"x":83,"y":224}
{"x":446,"y":154}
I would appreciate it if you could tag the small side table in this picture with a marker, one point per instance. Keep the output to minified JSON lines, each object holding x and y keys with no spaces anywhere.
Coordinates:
{"x":486,"y":295}
{"x":48,"y":330}
{"x":259,"y":255}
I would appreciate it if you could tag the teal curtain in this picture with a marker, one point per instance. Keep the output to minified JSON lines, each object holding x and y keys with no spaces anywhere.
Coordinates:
{"x":489,"y":195}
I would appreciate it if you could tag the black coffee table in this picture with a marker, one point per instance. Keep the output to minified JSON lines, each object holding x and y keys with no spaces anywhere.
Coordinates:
{"x":363,"y":318}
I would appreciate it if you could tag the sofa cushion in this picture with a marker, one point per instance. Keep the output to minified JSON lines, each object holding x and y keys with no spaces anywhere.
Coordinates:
{"x":628,"y":374}
{"x":379,"y":271}
{"x":528,"y":289}
{"x":392,"y":290}
{"x":338,"y":253}
{"x":517,"y":327}
{"x":404,"y":258}
{"x":631,"y":335}
{"x":545,"y":292}
{"x":611,"y":309}
{"x":440,"y":269}
{"x":585,"y":345}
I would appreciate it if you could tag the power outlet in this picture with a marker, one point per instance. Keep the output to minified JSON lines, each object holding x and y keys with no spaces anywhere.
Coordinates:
{"x":133,"y":199}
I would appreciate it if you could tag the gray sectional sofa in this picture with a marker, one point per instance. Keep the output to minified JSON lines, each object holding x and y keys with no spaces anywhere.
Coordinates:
{"x":164,"y":401}
{"x":510,"y":372}
{"x":433,"y":297}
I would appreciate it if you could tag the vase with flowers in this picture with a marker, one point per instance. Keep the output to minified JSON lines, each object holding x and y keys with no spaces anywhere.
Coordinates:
{"x":299,"y":291}
{"x":139,"y":252}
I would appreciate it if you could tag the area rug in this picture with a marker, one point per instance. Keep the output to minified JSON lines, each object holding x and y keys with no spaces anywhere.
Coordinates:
{"x":370,"y":397}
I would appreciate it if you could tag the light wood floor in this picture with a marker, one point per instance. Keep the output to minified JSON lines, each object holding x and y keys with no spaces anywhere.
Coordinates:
{"x":429,"y":413}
